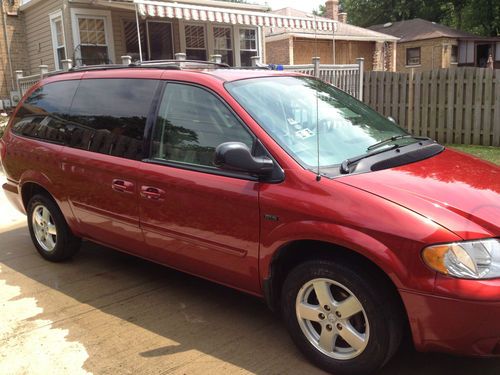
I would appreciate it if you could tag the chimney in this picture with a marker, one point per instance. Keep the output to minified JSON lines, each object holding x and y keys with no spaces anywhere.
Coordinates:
{"x":343,"y":17}
{"x":332,"y":9}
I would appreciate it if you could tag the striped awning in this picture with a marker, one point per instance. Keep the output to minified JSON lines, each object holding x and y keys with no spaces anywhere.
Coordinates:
{"x":191,"y":12}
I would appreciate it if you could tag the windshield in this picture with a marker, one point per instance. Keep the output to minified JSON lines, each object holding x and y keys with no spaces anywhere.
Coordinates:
{"x":288,"y":110}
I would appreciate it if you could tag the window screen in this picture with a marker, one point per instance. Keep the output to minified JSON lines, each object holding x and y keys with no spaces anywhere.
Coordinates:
{"x":191,"y":123}
{"x":109,"y":115}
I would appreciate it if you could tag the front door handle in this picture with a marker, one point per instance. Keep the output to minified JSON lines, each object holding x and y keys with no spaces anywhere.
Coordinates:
{"x":151,"y":192}
{"x":123,"y":186}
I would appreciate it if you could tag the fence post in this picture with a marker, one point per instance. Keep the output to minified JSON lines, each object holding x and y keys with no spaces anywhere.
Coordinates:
{"x":126,"y":60}
{"x":216,"y":59}
{"x":180,"y":56}
{"x":361,"y":66}
{"x":44,"y":70}
{"x":409,"y":126}
{"x":255,"y":60}
{"x":67,"y":64}
{"x":316,"y":61}
{"x":19,"y":75}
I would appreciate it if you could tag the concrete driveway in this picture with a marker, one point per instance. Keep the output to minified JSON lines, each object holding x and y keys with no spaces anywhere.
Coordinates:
{"x":109,"y":313}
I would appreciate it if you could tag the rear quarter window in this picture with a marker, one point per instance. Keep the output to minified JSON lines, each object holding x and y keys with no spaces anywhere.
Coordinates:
{"x":44,"y":112}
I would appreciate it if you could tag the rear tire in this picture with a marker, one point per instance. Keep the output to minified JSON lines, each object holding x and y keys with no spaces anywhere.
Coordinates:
{"x":49,"y":231}
{"x":343,"y":317}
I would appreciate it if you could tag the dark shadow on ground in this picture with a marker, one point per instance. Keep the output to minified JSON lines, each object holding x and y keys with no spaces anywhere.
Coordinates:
{"x":193,"y":313}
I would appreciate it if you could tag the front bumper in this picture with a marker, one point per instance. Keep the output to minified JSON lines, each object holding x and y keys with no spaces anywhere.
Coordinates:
{"x":454,"y":325}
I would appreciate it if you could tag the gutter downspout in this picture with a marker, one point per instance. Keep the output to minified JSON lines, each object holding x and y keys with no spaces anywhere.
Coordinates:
{"x":9,"y":56}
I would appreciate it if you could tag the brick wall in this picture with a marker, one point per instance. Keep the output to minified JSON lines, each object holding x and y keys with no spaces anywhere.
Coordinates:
{"x":346,"y":52}
{"x":432,"y":54}
{"x":16,"y":39}
{"x":278,"y":52}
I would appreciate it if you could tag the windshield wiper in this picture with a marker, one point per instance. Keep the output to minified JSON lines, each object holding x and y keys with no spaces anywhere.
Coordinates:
{"x":395,"y":138}
{"x":345,"y":165}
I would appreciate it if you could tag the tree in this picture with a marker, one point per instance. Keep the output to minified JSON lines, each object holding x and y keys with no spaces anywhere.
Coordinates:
{"x":477,"y":16}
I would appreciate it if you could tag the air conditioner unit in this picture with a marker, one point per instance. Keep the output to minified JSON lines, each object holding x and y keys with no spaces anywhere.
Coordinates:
{"x":7,"y":104}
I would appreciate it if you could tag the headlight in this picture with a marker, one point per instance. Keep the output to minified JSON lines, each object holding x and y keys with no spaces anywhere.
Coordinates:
{"x":466,"y":260}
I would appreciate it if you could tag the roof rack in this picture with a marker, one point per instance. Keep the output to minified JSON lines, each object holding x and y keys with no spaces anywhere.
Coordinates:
{"x":155,"y":64}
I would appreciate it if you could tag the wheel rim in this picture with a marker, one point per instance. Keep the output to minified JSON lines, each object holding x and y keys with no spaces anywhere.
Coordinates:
{"x":44,"y":228}
{"x":332,"y":318}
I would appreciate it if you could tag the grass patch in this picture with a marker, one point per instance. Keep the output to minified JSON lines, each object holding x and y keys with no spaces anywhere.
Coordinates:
{"x":491,"y":154}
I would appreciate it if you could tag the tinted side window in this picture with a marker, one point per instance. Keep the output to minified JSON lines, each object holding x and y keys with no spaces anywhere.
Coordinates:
{"x":191,"y":123}
{"x":109,"y":116}
{"x":44,"y":113}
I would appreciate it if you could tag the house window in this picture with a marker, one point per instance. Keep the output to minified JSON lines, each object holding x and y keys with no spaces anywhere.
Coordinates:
{"x":223,"y":44}
{"x":248,"y":46}
{"x":58,"y":40}
{"x":454,"y":55}
{"x":413,"y":56}
{"x":93,"y":45}
{"x":196,"y":46}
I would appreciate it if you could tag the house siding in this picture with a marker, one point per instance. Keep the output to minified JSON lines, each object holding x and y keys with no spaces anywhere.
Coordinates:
{"x":433,"y":55}
{"x":16,"y":39}
{"x":38,"y":34}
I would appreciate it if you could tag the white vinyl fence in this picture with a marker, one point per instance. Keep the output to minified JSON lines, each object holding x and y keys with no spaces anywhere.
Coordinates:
{"x":348,"y":78}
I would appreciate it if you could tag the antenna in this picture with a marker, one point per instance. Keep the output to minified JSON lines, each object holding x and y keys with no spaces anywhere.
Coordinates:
{"x":318,"y":175}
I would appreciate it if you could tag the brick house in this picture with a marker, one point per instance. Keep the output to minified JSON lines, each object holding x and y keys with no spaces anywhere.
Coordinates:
{"x":291,"y":46}
{"x":13,"y":55}
{"x":426,"y":45}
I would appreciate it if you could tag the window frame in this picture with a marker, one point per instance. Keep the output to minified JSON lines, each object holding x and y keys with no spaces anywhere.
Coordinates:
{"x":148,"y":38}
{"x":210,"y":40}
{"x":454,"y":47}
{"x":206,"y":37}
{"x":240,"y":50}
{"x":105,"y":15}
{"x":419,"y":56}
{"x":153,"y":121}
{"x":54,"y":17}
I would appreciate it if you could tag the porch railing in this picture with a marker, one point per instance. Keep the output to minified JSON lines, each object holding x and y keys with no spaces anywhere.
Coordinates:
{"x":348,"y":78}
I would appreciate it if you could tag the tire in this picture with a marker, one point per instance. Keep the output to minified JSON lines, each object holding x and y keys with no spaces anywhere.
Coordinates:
{"x":49,"y":231}
{"x":369,"y":329}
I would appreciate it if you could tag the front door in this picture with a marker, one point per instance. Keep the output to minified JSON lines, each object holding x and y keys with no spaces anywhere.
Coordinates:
{"x":194,"y":217}
{"x":160,"y":40}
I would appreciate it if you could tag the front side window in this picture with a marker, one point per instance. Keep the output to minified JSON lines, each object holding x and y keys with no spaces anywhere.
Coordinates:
{"x":413,"y":56}
{"x":93,"y":40}
{"x":293,"y":110}
{"x":58,"y":42}
{"x":248,"y":46}
{"x":109,"y":116}
{"x":196,"y":47}
{"x":191,"y":123}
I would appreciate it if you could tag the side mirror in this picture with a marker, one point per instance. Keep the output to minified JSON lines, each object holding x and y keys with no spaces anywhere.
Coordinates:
{"x":236,"y":156}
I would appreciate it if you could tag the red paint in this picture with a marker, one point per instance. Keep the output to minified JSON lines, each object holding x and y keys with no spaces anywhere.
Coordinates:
{"x":213,"y":226}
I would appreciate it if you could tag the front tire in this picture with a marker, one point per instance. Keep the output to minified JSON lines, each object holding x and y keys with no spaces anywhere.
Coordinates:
{"x":49,"y":231}
{"x":343,"y":318}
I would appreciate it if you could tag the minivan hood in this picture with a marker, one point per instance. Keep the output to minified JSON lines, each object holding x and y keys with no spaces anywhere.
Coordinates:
{"x":455,"y":190}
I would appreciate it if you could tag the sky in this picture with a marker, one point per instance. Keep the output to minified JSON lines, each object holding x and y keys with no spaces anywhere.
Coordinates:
{"x":305,"y":5}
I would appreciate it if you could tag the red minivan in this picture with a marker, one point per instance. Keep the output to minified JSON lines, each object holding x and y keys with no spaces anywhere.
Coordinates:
{"x":275,"y":184}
